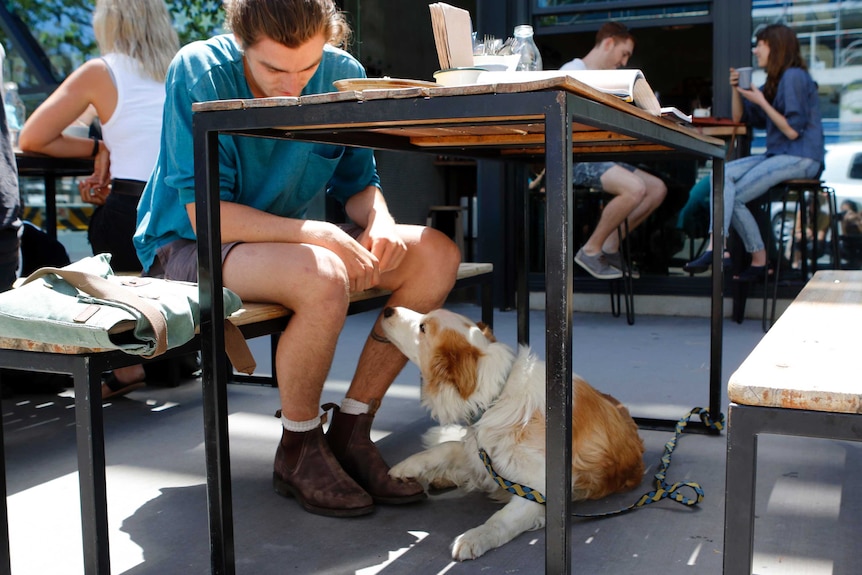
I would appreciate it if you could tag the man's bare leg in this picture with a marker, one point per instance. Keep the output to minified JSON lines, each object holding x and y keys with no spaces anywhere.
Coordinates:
{"x":312,"y":282}
{"x":629,"y":192}
{"x":620,"y":181}
{"x":421,"y":282}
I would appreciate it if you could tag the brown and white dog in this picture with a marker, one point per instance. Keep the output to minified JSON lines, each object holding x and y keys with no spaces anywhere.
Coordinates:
{"x":470,"y":378}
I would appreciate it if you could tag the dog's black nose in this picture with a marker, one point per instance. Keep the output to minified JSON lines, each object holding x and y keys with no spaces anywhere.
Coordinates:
{"x":388,"y":311}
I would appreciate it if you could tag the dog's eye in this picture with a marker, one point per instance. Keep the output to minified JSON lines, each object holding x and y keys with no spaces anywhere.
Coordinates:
{"x":422,"y":327}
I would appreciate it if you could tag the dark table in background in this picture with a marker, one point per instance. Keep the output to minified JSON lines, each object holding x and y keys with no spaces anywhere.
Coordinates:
{"x":50,"y":169}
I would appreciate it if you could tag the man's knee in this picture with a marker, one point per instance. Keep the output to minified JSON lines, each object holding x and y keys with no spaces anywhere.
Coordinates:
{"x":327,"y":285}
{"x":437,"y":258}
{"x":656,"y":192}
{"x":635,"y":190}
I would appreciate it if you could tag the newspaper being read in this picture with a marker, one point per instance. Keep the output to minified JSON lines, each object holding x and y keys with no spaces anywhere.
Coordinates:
{"x":453,"y":35}
{"x":628,"y":85}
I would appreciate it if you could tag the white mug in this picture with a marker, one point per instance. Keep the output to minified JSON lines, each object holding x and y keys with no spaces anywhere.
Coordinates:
{"x":744,"y":77}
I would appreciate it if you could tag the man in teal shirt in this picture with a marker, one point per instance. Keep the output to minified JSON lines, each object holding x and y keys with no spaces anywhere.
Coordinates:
{"x":271,"y":253}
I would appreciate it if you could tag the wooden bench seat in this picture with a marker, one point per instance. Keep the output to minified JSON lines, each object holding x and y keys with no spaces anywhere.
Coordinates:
{"x":802,"y":379}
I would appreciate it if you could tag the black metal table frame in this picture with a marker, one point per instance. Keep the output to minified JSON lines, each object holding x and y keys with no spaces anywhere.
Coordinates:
{"x":346,"y":122}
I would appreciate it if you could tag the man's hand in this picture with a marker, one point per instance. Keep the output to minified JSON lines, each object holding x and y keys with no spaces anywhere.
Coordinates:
{"x":382,"y":240}
{"x":380,"y":236}
{"x":363,"y":267}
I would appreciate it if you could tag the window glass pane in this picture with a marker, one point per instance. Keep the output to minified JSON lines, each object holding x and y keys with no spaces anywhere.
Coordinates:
{"x":571,"y":12}
{"x":830,"y":34}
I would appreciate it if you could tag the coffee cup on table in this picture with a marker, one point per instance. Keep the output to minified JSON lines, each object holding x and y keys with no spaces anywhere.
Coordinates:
{"x":744,"y":77}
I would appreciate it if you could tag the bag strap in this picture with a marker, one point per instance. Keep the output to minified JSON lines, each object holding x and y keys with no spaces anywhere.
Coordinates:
{"x":236,"y":347}
{"x":99,"y":287}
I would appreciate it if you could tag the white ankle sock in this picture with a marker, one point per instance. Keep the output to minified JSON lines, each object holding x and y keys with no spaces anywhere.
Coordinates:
{"x":300,"y":426}
{"x":353,"y":407}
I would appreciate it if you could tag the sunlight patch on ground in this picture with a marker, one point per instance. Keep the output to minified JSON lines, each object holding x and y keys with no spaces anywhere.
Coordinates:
{"x":253,"y":426}
{"x":56,"y":505}
{"x":791,"y":565}
{"x":393,"y":555}
{"x":692,"y":560}
{"x":809,"y":499}
{"x":657,"y":410}
{"x":397,"y":390}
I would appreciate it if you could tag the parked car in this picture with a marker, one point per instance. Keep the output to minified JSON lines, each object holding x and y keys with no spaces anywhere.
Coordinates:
{"x":842,"y":173}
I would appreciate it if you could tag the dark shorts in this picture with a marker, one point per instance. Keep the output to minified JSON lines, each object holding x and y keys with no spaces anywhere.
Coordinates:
{"x":589,"y":174}
{"x":9,"y":244}
{"x":178,"y":260}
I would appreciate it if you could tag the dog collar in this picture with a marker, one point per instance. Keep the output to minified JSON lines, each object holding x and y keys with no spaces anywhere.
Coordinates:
{"x":510,"y":486}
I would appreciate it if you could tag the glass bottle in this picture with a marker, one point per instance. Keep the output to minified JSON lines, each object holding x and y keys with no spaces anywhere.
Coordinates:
{"x":531,"y":59}
{"x":16,"y":114}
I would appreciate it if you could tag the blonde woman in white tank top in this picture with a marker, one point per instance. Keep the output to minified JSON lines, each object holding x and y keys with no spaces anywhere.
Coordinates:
{"x":125,"y":90}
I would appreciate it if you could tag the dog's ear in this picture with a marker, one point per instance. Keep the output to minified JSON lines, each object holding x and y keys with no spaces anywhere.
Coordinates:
{"x":486,"y":331}
{"x":454,"y":362}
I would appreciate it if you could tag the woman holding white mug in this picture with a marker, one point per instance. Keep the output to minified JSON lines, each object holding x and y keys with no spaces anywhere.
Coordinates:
{"x":788,"y":108}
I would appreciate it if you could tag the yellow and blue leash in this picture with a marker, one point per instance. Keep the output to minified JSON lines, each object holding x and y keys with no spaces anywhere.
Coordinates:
{"x":662,"y":489}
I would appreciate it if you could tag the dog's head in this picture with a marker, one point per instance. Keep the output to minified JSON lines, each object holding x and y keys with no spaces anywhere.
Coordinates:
{"x":463,"y":366}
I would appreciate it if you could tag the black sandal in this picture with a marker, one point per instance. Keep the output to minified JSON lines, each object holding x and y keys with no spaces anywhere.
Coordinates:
{"x":704,"y":262}
{"x":753,"y":274}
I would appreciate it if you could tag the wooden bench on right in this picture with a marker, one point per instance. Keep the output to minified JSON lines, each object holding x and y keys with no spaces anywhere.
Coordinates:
{"x":802,"y":379}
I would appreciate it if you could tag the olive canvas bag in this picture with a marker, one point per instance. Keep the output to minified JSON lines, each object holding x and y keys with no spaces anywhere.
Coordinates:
{"x":86,"y":305}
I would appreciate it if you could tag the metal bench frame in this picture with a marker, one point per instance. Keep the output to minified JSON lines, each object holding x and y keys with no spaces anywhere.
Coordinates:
{"x":745,"y":423}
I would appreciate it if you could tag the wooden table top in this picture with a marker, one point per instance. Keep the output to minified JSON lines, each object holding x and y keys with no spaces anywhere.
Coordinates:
{"x":525,"y":134}
{"x":812,"y":357}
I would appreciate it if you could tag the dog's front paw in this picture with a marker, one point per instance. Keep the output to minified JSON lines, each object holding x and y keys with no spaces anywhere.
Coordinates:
{"x":470,"y":545}
{"x":410,"y":468}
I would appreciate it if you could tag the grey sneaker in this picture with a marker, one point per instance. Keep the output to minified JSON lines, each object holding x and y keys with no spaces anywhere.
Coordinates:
{"x":615,"y":260}
{"x":597,"y":265}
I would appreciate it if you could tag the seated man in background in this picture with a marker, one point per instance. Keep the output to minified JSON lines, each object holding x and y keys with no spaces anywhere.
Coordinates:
{"x":273,"y":253}
{"x":637,"y":193}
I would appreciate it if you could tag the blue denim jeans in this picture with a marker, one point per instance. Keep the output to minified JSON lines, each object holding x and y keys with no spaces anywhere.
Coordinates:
{"x":748,"y":178}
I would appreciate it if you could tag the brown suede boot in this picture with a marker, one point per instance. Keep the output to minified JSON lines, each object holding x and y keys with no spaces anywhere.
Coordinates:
{"x":306,"y":469}
{"x":349,"y":437}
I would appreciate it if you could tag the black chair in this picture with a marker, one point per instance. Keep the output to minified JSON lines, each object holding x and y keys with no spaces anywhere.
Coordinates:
{"x":808,"y":195}
{"x":850,"y":249}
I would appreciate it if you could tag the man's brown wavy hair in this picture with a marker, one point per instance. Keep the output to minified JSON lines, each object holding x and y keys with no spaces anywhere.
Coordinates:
{"x":288,"y":22}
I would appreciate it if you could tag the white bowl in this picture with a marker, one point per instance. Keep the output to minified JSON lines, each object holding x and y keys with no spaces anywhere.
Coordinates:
{"x":457,"y":76}
{"x":497,"y":63}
